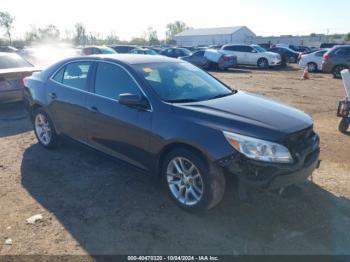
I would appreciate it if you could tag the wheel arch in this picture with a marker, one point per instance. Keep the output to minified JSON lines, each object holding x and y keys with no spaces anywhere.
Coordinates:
{"x":314,"y":63}
{"x":178,"y":145}
{"x":34,"y":107}
{"x":263,"y":58}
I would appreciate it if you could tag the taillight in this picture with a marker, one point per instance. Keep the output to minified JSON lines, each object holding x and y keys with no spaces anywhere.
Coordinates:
{"x":326,"y":56}
{"x":226,"y":58}
{"x":24,"y":81}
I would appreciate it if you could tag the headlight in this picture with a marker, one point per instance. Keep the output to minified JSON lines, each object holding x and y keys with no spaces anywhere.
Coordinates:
{"x":259,"y":149}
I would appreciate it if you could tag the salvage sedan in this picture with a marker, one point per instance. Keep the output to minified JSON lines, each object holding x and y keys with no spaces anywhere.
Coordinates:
{"x":13,"y":69}
{"x":174,"y":120}
{"x":211,"y":59}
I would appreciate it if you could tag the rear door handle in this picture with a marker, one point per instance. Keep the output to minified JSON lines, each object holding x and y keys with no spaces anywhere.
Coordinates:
{"x":93,"y":109}
{"x":53,"y":95}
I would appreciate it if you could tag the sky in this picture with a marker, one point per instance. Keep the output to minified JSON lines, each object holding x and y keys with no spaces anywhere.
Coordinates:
{"x":131,"y":18}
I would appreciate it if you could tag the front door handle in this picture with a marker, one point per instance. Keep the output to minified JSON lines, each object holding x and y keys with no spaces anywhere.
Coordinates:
{"x":93,"y":109}
{"x":53,"y":95}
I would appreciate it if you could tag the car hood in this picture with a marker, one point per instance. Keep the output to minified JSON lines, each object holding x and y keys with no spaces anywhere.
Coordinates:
{"x":248,"y":114}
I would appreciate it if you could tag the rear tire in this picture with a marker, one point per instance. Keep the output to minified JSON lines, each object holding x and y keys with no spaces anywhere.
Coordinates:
{"x":337,"y":71}
{"x":344,"y":125}
{"x":263,"y":63}
{"x":44,"y":129}
{"x":312,"y":67}
{"x":200,"y":189}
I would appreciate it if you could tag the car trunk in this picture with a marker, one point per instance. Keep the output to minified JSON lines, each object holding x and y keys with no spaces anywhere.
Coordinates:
{"x":11,"y":82}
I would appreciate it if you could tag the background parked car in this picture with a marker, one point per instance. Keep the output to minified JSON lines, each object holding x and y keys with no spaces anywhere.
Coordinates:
{"x":312,"y":50}
{"x":211,"y":59}
{"x":97,"y":50}
{"x":175,"y":52}
{"x":313,"y":61}
{"x":13,"y":68}
{"x":329,"y":45}
{"x":143,"y":51}
{"x":123,"y":49}
{"x":296,"y":48}
{"x":253,"y":55}
{"x":288,"y":55}
{"x":8,"y":49}
{"x":336,"y":59}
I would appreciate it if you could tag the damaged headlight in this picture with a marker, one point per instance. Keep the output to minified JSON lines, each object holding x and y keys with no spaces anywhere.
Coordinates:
{"x":259,"y":149}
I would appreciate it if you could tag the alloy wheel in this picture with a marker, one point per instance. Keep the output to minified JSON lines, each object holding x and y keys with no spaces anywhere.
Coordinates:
{"x":262,"y":63}
{"x":312,"y":67}
{"x":185,"y":181}
{"x":43,"y":129}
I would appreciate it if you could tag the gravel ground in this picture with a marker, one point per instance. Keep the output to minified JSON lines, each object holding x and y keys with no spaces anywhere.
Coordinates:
{"x":94,"y":205}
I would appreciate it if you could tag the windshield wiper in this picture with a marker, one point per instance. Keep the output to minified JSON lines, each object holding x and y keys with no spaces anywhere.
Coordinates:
{"x":182,"y":100}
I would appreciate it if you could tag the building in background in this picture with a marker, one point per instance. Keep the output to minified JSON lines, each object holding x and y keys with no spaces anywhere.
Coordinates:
{"x":214,"y":36}
{"x":313,"y":40}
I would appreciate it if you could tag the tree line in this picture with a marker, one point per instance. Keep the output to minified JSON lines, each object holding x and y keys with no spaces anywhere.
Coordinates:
{"x":80,"y":36}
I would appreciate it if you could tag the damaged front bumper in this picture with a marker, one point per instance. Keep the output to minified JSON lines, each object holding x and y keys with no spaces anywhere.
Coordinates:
{"x":252,"y":173}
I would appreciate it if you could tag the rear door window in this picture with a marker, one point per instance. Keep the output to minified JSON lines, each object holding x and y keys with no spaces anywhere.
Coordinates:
{"x":74,"y":75}
{"x":247,"y":49}
{"x":321,"y":53}
{"x":198,"y":54}
{"x":239,"y":48}
{"x":232,"y":48}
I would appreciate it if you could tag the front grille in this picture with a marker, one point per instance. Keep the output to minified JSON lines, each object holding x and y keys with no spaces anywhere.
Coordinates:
{"x":301,"y":141}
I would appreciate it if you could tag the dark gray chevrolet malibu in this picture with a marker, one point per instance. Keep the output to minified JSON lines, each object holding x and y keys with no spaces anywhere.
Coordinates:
{"x":172,"y":119}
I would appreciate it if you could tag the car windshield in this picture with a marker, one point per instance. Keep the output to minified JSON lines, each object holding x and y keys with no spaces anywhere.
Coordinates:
{"x":186,"y":51}
{"x":107,"y":50}
{"x":259,"y":49}
{"x":181,"y":82}
{"x":151,"y":52}
{"x":12,"y":61}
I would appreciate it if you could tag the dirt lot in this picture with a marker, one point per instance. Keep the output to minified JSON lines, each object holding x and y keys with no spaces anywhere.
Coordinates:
{"x":93,"y":205}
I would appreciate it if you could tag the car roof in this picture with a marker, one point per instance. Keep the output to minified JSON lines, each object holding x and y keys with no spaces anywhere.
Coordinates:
{"x":132,"y":59}
{"x":97,"y":46}
{"x":123,"y":46}
{"x":236,"y":45}
{"x":341,"y":46}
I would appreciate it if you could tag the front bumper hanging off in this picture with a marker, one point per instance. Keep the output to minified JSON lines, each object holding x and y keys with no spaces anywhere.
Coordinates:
{"x":252,"y":173}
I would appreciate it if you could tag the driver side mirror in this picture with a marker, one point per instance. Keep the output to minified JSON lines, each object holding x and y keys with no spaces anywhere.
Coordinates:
{"x":254,"y":51}
{"x":133,"y":100}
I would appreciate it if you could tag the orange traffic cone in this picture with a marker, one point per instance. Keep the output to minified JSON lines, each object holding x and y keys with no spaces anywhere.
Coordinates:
{"x":306,"y":74}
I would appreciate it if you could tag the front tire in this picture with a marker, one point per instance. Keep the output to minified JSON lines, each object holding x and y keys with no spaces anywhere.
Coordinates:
{"x":263,"y":63}
{"x":191,"y":183}
{"x":44,"y":129}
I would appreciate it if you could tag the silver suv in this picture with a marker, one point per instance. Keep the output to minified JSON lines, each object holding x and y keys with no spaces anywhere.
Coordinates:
{"x":253,"y":55}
